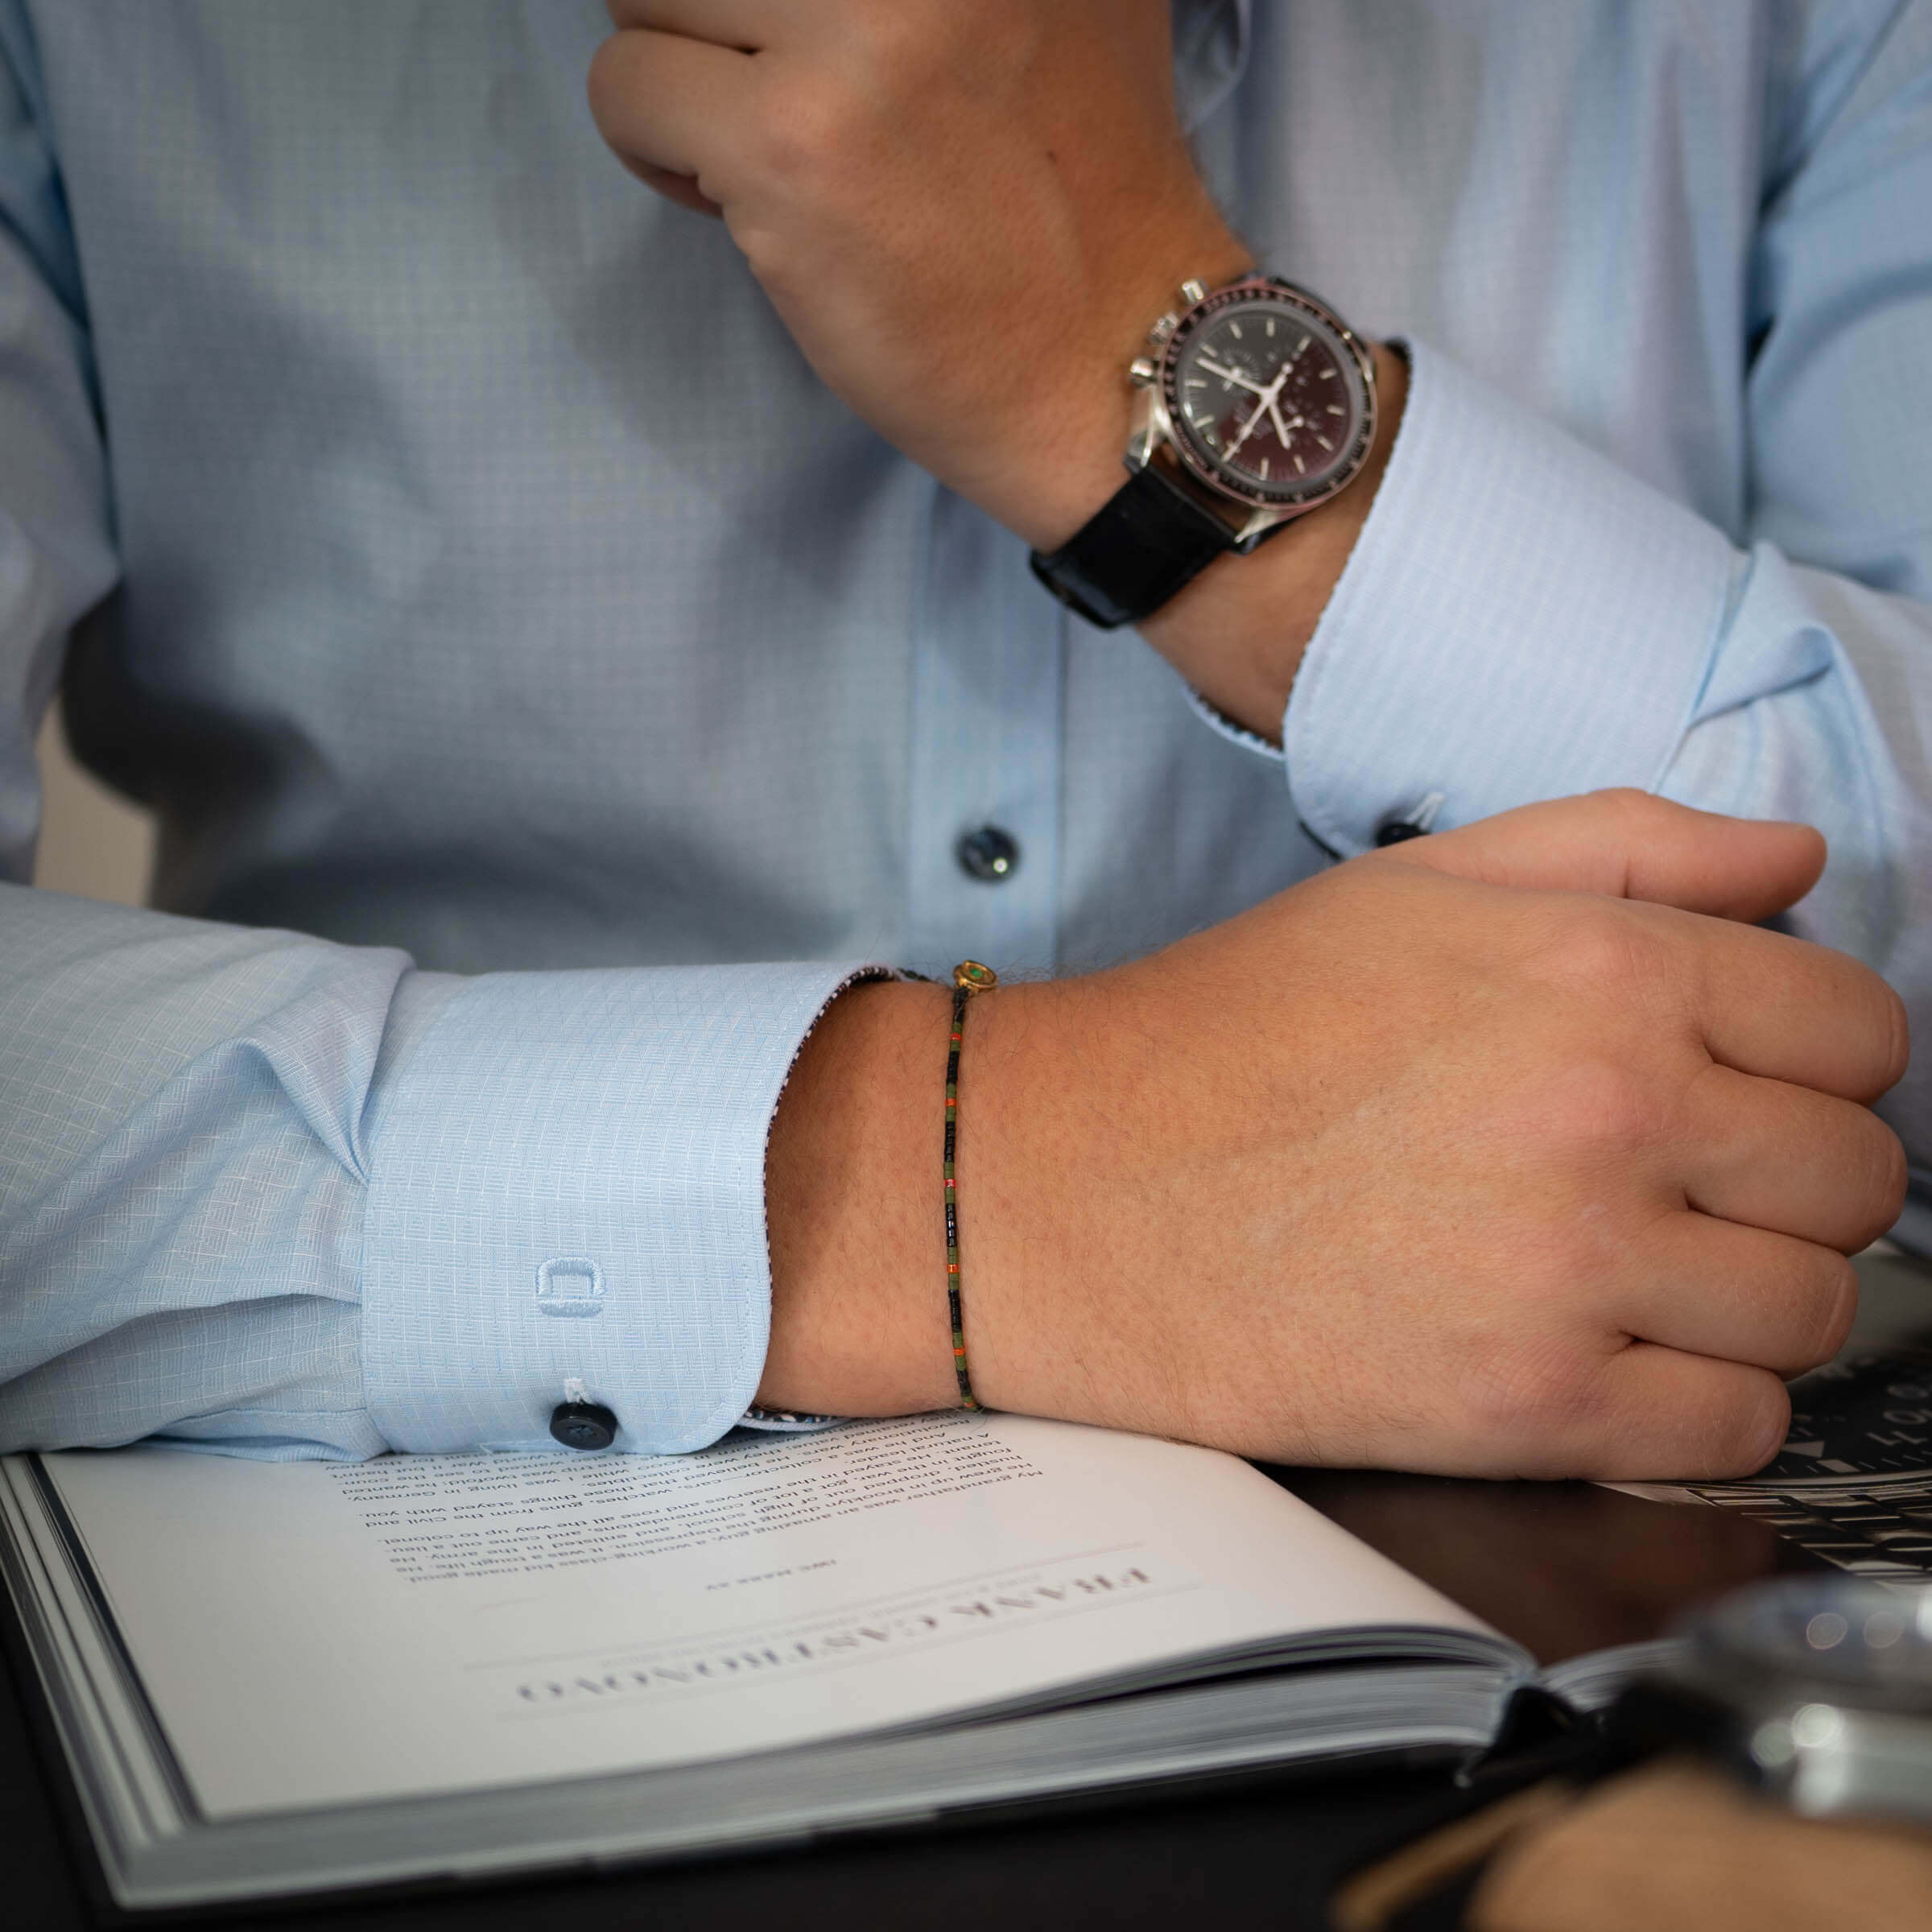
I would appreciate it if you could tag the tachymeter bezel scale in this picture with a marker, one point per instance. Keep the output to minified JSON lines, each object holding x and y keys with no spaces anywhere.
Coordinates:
{"x":1350,"y":357}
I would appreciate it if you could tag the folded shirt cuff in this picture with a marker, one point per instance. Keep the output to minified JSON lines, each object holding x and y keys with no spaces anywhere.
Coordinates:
{"x":1519,"y":619}
{"x":567,"y":1201}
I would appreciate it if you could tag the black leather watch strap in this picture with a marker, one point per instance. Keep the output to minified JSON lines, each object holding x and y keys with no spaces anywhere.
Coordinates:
{"x":1147,"y":541}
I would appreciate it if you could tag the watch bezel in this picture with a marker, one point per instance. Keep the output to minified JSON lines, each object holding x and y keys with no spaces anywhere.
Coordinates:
{"x":1258,"y":508}
{"x":1202,"y":461}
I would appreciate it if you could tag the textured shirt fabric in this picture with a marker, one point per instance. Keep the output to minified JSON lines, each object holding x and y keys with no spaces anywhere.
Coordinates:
{"x":551,"y":695}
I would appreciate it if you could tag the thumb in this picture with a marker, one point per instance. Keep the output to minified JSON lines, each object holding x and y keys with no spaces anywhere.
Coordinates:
{"x":1629,"y":845}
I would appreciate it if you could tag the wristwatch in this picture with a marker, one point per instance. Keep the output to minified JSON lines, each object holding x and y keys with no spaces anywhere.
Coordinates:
{"x":1255,"y":404}
{"x":1816,"y":1690}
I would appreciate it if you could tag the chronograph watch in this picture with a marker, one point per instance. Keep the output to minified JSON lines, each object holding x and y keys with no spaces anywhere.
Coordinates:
{"x":1255,"y":404}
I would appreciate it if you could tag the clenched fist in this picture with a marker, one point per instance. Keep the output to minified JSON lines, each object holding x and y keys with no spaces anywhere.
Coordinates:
{"x":1514,"y":1151}
{"x":967,"y":215}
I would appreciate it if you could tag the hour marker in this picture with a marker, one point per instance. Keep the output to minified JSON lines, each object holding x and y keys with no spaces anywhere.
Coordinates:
{"x":1301,"y":469}
{"x":1326,"y":444}
{"x":1234,"y":330}
{"x":1196,"y":383}
{"x":1265,"y":461}
{"x":1301,"y":345}
{"x":1327,"y":375}
{"x":1271,"y":325}
{"x":1335,"y":409}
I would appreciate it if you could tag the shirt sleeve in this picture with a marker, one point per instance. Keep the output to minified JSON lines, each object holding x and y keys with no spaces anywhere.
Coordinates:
{"x":272,"y":1195}
{"x":1522,"y":618}
{"x":289,"y":1199}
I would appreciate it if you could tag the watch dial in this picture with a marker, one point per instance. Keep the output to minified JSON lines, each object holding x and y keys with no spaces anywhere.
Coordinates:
{"x":1266,"y":397}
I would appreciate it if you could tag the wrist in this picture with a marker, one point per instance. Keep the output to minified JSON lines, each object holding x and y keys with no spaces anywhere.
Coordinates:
{"x":858,"y":1317}
{"x":860,"y":1321}
{"x":1036,"y":1315}
{"x":1238,"y":633}
{"x":1067,"y":458}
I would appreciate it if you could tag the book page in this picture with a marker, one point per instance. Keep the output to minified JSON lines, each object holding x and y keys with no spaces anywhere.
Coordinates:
{"x":313,"y":1633}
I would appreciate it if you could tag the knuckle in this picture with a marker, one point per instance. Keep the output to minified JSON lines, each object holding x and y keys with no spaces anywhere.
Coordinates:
{"x":907,"y":48}
{"x":1634,"y":818}
{"x":1602,"y":952}
{"x":805,"y":133}
{"x":1633,"y":809}
{"x":1604,"y":1109}
{"x":1528,"y":1403}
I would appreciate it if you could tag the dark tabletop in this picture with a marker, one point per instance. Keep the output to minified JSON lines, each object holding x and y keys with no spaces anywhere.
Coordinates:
{"x":1563,"y":1567}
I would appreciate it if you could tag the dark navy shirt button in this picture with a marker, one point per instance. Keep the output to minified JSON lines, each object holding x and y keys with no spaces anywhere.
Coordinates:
{"x":583,"y":1425}
{"x":1393,"y":832}
{"x":988,"y":854}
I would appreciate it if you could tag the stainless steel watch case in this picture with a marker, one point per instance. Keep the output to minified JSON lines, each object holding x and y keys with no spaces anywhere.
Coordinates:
{"x":1154,"y":440}
{"x":1815,"y":1690}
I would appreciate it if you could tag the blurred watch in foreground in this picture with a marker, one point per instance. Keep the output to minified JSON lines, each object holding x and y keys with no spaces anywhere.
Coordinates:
{"x":1815,"y":1690}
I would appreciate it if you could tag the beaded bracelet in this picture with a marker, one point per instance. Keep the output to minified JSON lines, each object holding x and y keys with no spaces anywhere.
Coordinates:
{"x":968,"y":978}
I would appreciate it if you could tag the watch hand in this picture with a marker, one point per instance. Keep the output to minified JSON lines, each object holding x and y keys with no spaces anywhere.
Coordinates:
{"x":1247,"y":429}
{"x":1282,"y":428}
{"x":1231,"y":375}
{"x":1264,"y":407}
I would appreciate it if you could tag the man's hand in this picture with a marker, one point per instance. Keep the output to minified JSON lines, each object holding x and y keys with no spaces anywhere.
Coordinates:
{"x":967,"y":215}
{"x":1513,"y":1151}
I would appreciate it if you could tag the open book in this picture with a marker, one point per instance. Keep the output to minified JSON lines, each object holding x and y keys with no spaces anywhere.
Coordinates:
{"x":279,"y":1678}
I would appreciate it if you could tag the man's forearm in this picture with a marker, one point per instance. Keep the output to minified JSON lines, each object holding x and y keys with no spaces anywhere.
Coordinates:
{"x":973,"y":267}
{"x":1421,"y":1163}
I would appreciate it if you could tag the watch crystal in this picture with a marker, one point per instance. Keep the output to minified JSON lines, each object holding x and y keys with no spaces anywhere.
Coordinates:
{"x":1266,"y":397}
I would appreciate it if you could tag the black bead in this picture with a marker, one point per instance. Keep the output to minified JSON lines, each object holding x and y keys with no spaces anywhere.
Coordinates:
{"x":988,"y":854}
{"x":583,"y":1425}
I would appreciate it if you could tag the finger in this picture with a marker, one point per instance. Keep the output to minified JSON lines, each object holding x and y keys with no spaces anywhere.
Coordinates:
{"x":1715,"y":1288}
{"x":744,"y":24}
{"x":670,"y":103}
{"x":1628,"y":844}
{"x":1768,"y":1154}
{"x":1661,"y":1415}
{"x":680,"y":188}
{"x":1787,"y":1009}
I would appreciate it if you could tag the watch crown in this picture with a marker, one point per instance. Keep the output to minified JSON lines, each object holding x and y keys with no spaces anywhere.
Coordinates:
{"x":1157,"y":336}
{"x":1193,"y":291}
{"x":1141,"y":372}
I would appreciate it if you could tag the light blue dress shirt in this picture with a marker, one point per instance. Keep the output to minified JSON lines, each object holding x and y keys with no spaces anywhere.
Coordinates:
{"x":552,"y":696}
